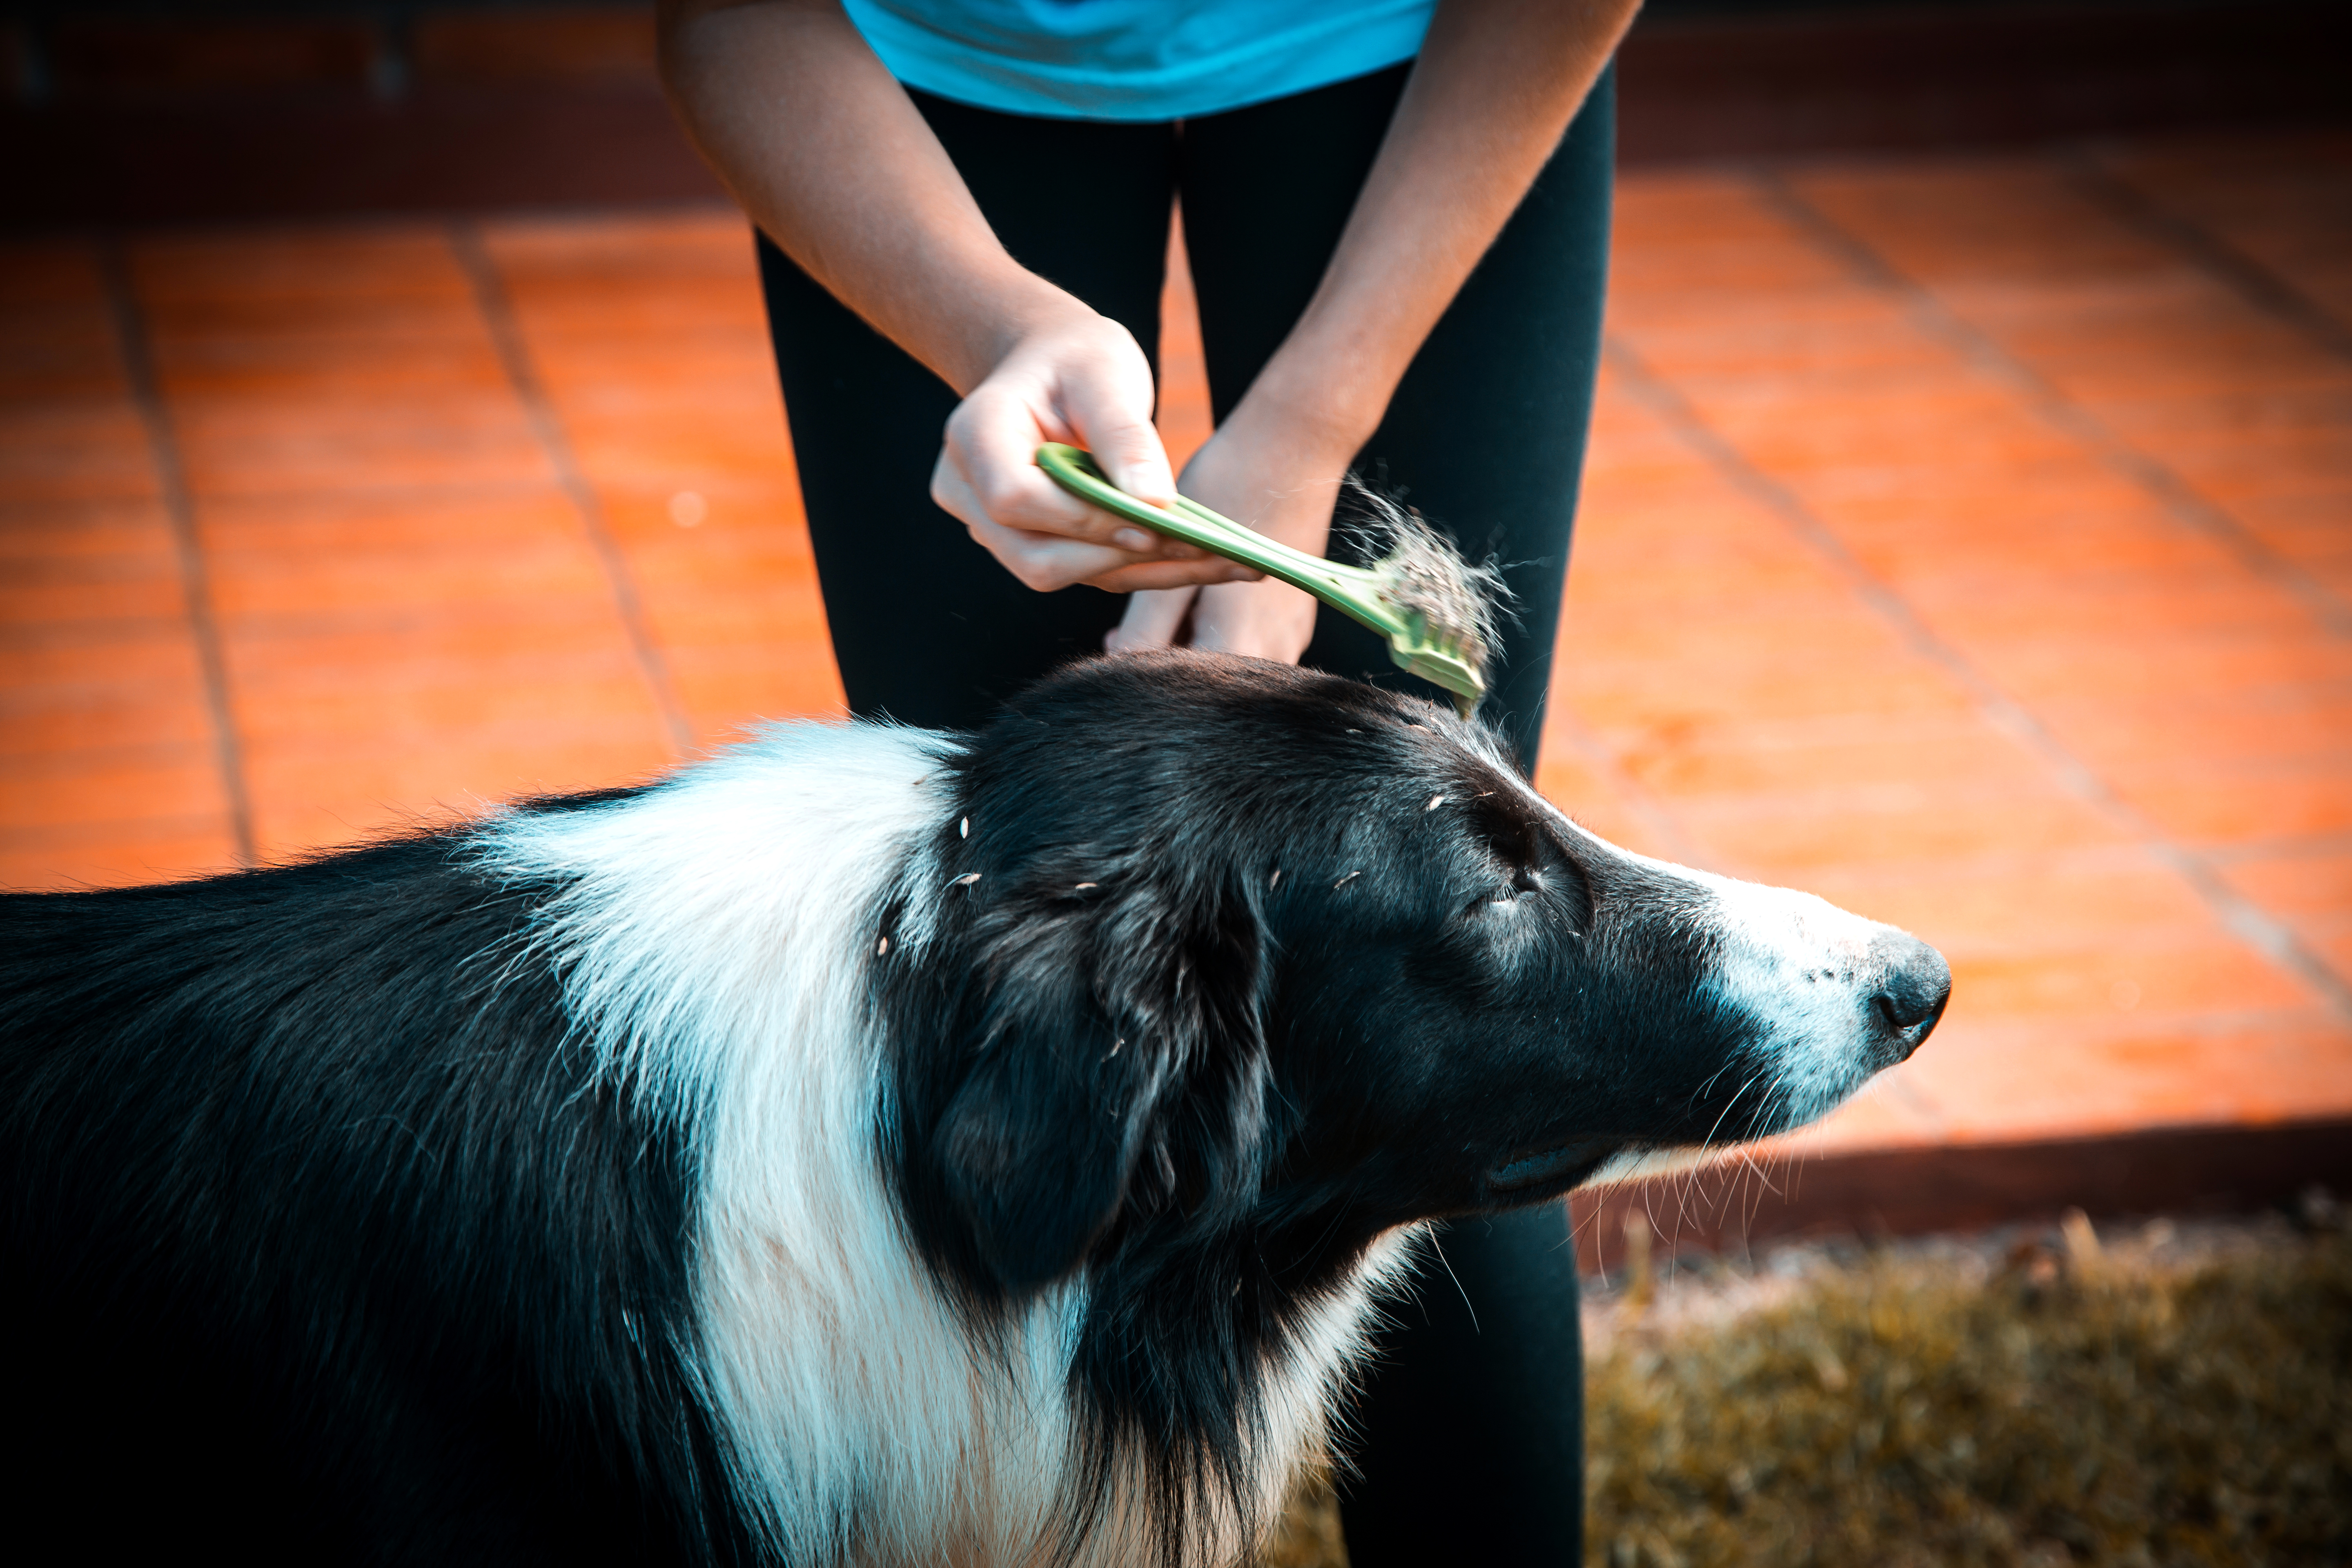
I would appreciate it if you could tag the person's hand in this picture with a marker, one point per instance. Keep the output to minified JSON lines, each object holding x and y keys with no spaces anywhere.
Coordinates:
{"x":1076,"y":377}
{"x":1279,"y":480}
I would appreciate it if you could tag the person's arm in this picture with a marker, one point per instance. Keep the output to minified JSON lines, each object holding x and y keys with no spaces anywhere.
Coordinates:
{"x":1494,"y":90}
{"x":829,"y":156}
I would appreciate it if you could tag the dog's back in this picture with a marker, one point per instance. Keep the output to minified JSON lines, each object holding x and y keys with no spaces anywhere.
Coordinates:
{"x":253,"y":1131}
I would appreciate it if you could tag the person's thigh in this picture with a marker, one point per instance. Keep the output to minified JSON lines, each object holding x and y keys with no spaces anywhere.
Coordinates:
{"x":928,"y":628}
{"x":1486,"y":435}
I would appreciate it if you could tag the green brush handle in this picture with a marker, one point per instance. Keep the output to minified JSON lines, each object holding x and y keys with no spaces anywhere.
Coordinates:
{"x":1350,"y":590}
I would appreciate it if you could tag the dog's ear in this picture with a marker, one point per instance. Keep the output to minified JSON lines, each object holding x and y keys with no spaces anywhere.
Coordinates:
{"x":1118,"y":1062}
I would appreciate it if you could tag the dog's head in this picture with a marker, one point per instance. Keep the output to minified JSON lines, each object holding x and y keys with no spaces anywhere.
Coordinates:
{"x":1273,"y":961}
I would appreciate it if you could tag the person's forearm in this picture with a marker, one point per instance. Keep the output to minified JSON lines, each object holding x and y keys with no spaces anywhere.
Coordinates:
{"x":828,"y":155}
{"x":1494,"y":90}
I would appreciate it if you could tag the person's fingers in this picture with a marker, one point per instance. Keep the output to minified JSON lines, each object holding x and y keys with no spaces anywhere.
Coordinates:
{"x":1108,"y":406}
{"x":1152,"y":619}
{"x":1152,"y":574}
{"x":1047,"y":562}
{"x":988,"y":468}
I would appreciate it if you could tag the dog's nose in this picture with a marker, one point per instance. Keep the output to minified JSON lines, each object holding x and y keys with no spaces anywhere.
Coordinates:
{"x":1914,"y":985}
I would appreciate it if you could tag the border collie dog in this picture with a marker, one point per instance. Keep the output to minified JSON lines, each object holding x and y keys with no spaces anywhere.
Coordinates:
{"x":865,"y":1146}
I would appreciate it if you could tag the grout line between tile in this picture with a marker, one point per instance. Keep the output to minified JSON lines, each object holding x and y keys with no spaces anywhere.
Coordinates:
{"x":1936,"y":318}
{"x":2249,"y":921}
{"x":490,"y":296}
{"x":2297,"y":844}
{"x":2259,"y":285}
{"x":178,"y":504}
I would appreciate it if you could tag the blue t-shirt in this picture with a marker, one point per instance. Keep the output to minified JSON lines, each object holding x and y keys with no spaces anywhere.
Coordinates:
{"x":1135,"y":59}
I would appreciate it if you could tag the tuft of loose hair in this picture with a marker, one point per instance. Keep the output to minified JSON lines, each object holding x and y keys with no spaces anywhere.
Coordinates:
{"x":1422,"y":573}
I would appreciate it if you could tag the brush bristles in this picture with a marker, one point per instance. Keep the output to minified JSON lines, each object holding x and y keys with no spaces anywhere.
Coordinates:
{"x":1421,"y":573}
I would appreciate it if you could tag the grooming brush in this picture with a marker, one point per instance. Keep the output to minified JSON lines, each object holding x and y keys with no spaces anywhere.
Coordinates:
{"x":1435,"y":608}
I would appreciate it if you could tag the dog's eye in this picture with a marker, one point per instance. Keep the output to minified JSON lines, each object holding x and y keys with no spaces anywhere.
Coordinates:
{"x":1508,"y":894}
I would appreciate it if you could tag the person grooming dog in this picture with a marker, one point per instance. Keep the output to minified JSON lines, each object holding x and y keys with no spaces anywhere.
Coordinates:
{"x":1396,"y":212}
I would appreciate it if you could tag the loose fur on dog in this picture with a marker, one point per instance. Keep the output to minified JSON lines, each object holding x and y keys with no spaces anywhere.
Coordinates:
{"x":865,"y":1146}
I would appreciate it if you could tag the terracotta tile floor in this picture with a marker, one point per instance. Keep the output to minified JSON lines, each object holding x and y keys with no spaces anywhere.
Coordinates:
{"x":1970,"y":541}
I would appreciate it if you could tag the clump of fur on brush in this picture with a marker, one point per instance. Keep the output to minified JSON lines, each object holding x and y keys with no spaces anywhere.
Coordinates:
{"x":1422,"y":574}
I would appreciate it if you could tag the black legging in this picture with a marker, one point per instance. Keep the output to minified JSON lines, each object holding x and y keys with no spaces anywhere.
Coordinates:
{"x":1470,"y":1434}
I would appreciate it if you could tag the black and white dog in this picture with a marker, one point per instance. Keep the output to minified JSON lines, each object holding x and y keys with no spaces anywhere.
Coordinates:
{"x":865,"y":1146}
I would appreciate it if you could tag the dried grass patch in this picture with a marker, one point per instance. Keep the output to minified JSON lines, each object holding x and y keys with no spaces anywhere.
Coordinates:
{"x":2185,"y":1398}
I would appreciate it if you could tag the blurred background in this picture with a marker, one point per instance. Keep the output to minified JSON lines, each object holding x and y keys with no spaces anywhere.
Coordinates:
{"x":387,"y":427}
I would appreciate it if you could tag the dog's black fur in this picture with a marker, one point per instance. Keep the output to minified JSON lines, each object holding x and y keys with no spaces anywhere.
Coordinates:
{"x":321,"y":1246}
{"x":326,"y":1238}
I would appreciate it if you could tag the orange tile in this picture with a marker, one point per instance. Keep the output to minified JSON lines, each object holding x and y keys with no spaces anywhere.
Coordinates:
{"x":2008,"y":903}
{"x":306,"y":799}
{"x":2333,"y":942}
{"x":263,"y":449}
{"x":91,"y":532}
{"x":2150,"y":977}
{"x":630,"y":273}
{"x":114,"y":854}
{"x":715,"y":516}
{"x":2226,"y":419}
{"x":730,"y":690}
{"x":274,"y":277}
{"x":450,"y":582}
{"x":1631,"y":693}
{"x":2157,"y":732}
{"x":65,"y":657}
{"x":1968,"y":429}
{"x":133,"y":588}
{"x":2229,"y":804}
{"x":1182,"y":414}
{"x":37,"y":721}
{"x":684,"y":623}
{"x":2022,"y":1082}
{"x":1599,"y":804}
{"x":320,"y":528}
{"x":1679,"y":759}
{"x":523,"y":640}
{"x":2120,"y":606}
{"x":674,"y":447}
{"x":58,"y":339}
{"x":389,"y":362}
{"x":2309,"y":882}
{"x":334,"y":716}
{"x":40,"y":277}
{"x":2307,"y":525}
{"x":162,"y":780}
{"x":1789,"y":837}
{"x":2060,"y":665}
{"x":74,"y":450}
{"x":573,"y":43}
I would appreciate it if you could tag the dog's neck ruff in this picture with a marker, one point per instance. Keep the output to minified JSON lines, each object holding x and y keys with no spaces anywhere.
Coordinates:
{"x":716,"y":936}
